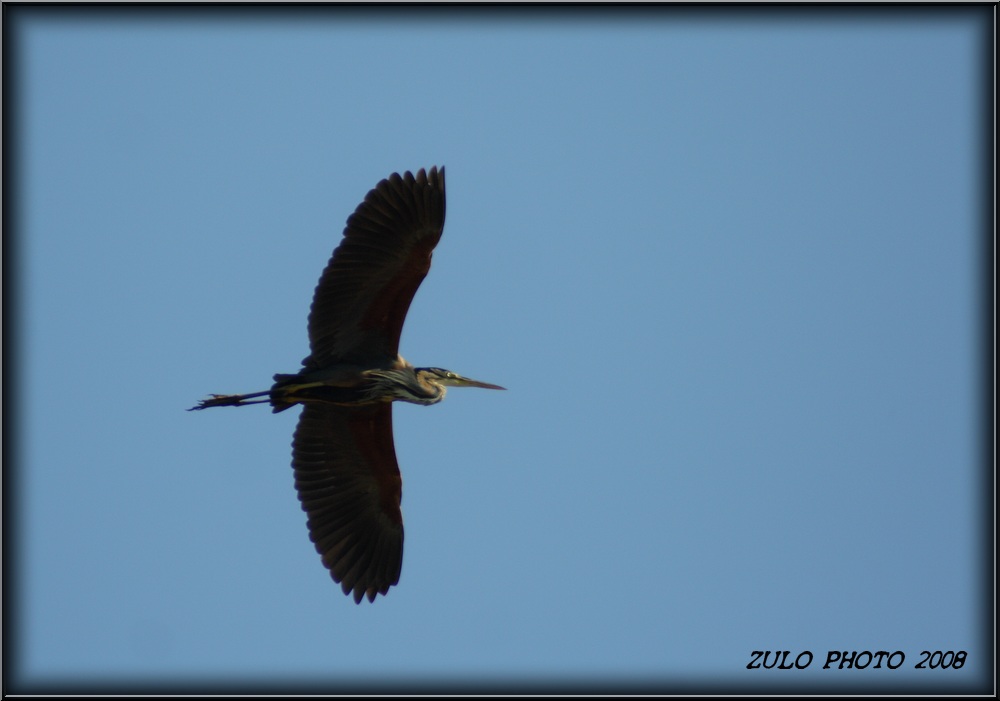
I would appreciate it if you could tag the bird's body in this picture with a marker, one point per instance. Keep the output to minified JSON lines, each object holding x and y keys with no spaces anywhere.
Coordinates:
{"x":345,"y":463}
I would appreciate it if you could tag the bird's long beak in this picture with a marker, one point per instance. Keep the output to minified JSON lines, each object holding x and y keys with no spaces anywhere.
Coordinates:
{"x":466,"y":382}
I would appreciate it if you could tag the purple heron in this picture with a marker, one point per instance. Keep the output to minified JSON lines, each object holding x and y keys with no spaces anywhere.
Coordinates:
{"x":346,"y":472}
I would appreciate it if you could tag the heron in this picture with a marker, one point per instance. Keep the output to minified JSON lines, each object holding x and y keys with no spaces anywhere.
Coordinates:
{"x":344,"y":460}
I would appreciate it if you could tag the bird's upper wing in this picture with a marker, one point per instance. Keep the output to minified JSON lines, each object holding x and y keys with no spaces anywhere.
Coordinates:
{"x":348,"y":482}
{"x":365,"y":291}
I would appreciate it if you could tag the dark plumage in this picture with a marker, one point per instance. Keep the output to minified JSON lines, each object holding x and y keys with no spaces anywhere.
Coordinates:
{"x":345,"y":465}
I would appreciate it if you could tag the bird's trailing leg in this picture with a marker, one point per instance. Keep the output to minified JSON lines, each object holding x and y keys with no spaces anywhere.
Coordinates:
{"x":231,"y":400}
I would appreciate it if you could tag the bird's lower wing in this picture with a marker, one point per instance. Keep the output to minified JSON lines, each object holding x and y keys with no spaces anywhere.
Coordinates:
{"x":348,"y":482}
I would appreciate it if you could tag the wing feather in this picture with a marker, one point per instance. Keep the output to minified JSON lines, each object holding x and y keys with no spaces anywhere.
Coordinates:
{"x":348,"y":482}
{"x":365,"y":291}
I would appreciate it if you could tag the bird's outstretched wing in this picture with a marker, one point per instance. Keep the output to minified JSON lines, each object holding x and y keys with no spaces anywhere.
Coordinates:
{"x":348,"y":482}
{"x":365,"y":291}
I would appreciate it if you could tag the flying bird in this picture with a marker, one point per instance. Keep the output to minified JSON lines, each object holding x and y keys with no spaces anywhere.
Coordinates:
{"x":346,"y":472}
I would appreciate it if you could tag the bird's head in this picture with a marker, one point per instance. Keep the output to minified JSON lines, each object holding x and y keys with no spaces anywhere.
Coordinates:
{"x":447,"y":378}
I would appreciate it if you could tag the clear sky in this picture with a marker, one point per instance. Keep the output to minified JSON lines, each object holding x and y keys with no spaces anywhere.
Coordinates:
{"x":726,"y":263}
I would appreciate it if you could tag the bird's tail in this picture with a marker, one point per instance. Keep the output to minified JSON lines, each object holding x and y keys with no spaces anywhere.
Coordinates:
{"x":231,"y":400}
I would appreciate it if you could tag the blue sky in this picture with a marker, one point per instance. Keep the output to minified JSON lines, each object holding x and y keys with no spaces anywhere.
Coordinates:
{"x":725,"y":263}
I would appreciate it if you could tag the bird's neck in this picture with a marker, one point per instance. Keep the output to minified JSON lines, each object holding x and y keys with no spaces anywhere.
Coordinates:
{"x":406,"y":387}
